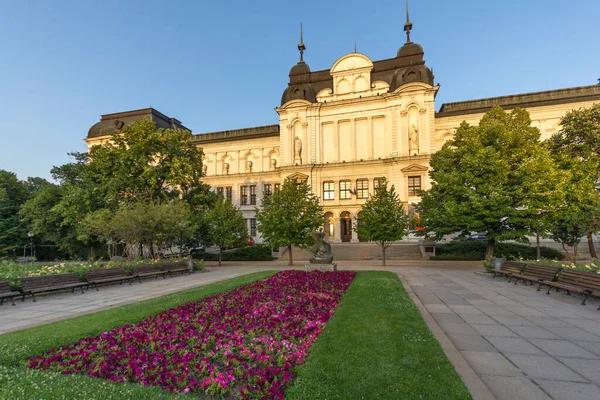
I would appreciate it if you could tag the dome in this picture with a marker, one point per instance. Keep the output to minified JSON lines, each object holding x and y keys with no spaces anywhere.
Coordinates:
{"x":300,"y":68}
{"x":410,"y":49}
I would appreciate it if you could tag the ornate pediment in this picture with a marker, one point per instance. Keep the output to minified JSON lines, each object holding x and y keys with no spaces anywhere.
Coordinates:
{"x":298,"y":177}
{"x":414,"y":168}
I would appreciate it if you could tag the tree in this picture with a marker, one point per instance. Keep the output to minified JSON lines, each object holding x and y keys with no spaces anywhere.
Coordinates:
{"x":577,"y":145}
{"x":227,"y":226}
{"x":495,"y":177}
{"x":13,"y":232}
{"x":383,"y":219}
{"x":141,"y":162}
{"x":289,"y":216}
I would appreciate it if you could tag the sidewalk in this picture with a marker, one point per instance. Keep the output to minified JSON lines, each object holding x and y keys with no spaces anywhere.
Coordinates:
{"x":56,"y":307}
{"x":523,"y":344}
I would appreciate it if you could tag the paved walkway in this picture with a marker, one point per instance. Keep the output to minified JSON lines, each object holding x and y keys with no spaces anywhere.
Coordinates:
{"x":522,"y":343}
{"x":56,"y":307}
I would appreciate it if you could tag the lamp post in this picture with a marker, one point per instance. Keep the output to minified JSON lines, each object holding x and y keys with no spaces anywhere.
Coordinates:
{"x":31,"y":234}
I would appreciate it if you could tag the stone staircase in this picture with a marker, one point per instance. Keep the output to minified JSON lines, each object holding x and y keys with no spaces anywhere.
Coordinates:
{"x":362,"y":251}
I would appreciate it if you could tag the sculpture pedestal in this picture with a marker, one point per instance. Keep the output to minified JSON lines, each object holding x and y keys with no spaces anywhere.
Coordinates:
{"x":320,"y":267}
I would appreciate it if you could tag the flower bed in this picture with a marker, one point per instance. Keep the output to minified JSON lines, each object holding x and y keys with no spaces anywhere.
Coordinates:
{"x":13,"y":271}
{"x":245,"y":342}
{"x":593,"y":266}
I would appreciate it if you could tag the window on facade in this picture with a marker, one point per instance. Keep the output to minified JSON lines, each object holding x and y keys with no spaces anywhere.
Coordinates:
{"x":220,"y":191}
{"x":328,"y":191}
{"x":252,"y":227}
{"x":414,"y":185}
{"x":362,"y":188}
{"x":228,"y":193}
{"x":253,"y":194}
{"x":277,"y":186}
{"x":243,"y":195}
{"x":345,"y":190}
{"x":267,"y":189}
{"x":377,"y":182}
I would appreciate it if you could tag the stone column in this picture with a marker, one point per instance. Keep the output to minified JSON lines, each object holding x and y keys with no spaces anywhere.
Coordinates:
{"x":337,"y":233}
{"x":354,"y":238}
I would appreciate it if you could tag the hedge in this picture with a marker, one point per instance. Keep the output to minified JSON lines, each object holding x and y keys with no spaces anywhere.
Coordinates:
{"x":475,"y":250}
{"x":251,"y":253}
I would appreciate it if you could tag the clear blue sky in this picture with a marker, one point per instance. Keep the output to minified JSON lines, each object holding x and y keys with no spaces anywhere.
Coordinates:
{"x":64,"y":63}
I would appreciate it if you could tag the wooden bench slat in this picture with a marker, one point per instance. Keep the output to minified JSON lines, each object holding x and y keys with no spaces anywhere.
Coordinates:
{"x":536,"y":273}
{"x":586,"y":283}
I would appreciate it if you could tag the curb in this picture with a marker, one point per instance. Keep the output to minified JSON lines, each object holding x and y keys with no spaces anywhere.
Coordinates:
{"x":474,"y":384}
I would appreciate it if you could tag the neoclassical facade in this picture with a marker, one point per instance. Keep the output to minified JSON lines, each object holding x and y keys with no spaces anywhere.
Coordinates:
{"x":344,"y":129}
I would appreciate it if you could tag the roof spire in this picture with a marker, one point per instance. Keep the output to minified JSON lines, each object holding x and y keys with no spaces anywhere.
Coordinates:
{"x":407,"y":25}
{"x":355,"y":46}
{"x":301,"y":45}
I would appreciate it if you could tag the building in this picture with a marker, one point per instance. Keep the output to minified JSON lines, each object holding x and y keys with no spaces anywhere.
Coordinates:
{"x":345,"y":129}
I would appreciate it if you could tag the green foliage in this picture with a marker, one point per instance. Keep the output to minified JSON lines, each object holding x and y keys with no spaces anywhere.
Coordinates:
{"x":249,"y":253}
{"x":576,"y":149}
{"x":495,"y":178}
{"x":19,"y":382}
{"x":13,"y":233}
{"x":289,"y":216}
{"x":383,"y":219}
{"x":475,"y":250}
{"x":227,"y":227}
{"x":377,"y":346}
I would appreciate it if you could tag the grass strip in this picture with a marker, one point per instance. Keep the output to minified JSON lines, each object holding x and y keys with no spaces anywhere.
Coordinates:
{"x":19,"y":382}
{"x":377,"y":346}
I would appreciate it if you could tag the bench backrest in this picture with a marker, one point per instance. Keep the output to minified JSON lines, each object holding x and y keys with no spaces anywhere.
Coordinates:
{"x":589,"y":280}
{"x":541,"y":271}
{"x":148,"y":268}
{"x":5,"y":287}
{"x":512,"y":266}
{"x":104,"y":273}
{"x":57,"y":280}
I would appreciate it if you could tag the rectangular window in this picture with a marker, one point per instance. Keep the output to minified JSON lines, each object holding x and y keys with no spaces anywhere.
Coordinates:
{"x":362,"y":188}
{"x":378,"y":182}
{"x":414,"y":185}
{"x":328,"y":191}
{"x":345,"y":190}
{"x":243,"y":195}
{"x":220,"y":191}
{"x":228,"y":193}
{"x":277,"y":186}
{"x":267,"y":189}
{"x":253,"y":194}
{"x":252,"y":227}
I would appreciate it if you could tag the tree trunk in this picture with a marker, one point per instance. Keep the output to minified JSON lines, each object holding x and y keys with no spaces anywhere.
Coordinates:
{"x":575,"y":252}
{"x":489,"y":251}
{"x":590,"y":240}
{"x":290,"y":260}
{"x":383,"y":255}
{"x":220,"y":252}
{"x":566,"y":251}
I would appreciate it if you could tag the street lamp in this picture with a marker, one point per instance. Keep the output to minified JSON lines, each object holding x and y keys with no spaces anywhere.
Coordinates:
{"x":31,"y":234}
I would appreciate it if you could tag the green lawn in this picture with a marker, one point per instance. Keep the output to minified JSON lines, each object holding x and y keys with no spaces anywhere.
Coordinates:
{"x":19,"y":382}
{"x":377,"y":346}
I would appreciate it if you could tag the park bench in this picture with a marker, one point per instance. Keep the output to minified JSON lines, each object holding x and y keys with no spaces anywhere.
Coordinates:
{"x":148,"y":270}
{"x":48,"y":283}
{"x":535,"y":273}
{"x":108,"y":275}
{"x":509,"y":268}
{"x":7,"y":293}
{"x":176,"y":267}
{"x":585,"y":283}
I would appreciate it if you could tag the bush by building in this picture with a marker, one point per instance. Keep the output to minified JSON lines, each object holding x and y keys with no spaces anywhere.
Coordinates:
{"x":475,"y":250}
{"x":251,"y":253}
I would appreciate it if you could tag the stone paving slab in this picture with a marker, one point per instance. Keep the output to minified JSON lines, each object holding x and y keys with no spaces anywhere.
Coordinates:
{"x":523,"y":344}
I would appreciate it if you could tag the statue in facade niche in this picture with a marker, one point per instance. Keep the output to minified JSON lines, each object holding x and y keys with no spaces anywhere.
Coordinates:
{"x":225,"y":168}
{"x":273,"y":164}
{"x":413,"y":139}
{"x":204,"y":169}
{"x":298,"y":149}
{"x":321,"y":250}
{"x":248,"y":167}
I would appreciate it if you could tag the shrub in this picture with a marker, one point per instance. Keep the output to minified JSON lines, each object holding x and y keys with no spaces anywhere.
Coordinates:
{"x":251,"y":253}
{"x":475,"y":250}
